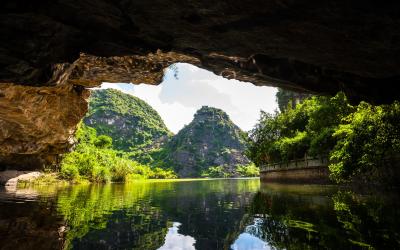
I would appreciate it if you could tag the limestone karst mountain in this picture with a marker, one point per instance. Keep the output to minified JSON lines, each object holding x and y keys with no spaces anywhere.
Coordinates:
{"x":210,"y":140}
{"x":129,"y":121}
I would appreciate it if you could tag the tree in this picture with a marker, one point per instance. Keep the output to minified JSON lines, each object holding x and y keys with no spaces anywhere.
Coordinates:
{"x":367,"y":143}
{"x":103,"y":141}
{"x":361,"y":141}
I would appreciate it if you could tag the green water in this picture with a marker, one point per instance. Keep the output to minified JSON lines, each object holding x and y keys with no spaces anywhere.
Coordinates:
{"x":203,"y":214}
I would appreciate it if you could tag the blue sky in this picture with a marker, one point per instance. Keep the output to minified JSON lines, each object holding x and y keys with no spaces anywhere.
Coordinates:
{"x":176,"y":100}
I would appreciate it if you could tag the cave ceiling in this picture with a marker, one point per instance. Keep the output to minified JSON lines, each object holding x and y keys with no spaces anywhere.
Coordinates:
{"x":51,"y":51}
{"x":305,"y":45}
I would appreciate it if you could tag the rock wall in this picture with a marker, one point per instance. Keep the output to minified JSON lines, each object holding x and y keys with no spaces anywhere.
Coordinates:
{"x":319,"y":46}
{"x":37,"y":124}
{"x":317,"y":175}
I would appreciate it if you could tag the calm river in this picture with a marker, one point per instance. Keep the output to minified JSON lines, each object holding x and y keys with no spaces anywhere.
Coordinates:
{"x":200,"y":214}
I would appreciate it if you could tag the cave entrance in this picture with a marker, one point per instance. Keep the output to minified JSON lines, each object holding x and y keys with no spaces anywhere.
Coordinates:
{"x":186,"y":88}
{"x":194,"y":123}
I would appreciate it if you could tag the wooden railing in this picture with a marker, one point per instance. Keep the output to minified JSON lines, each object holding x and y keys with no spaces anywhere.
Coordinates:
{"x":306,"y":162}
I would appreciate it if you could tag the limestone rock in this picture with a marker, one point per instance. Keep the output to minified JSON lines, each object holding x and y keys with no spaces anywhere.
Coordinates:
{"x":37,"y":123}
{"x":319,"y":46}
{"x":10,"y":178}
{"x":51,"y":50}
{"x":210,"y":140}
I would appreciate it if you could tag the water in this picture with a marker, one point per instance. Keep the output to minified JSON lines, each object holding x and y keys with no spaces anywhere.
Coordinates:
{"x":204,"y":214}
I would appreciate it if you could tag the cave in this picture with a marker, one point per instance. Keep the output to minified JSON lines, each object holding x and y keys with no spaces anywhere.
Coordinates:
{"x":51,"y":52}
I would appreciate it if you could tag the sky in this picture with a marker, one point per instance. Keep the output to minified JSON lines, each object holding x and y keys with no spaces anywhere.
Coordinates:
{"x":177,"y":99}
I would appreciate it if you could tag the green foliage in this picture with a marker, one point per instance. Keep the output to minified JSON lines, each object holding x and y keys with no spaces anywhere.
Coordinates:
{"x":130,"y":122}
{"x":215,"y":172}
{"x":87,"y":162}
{"x":103,"y":141}
{"x":261,"y":147}
{"x":367,"y":140}
{"x":293,"y":147}
{"x":122,"y":127}
{"x":250,"y":170}
{"x":360,"y":140}
{"x":305,"y":129}
{"x":159,"y":173}
{"x":210,"y":139}
{"x":69,"y":171}
{"x":95,"y":161}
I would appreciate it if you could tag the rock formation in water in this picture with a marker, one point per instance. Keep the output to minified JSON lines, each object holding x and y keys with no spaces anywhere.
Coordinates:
{"x":210,"y":140}
{"x":128,"y":120}
{"x":61,"y":47}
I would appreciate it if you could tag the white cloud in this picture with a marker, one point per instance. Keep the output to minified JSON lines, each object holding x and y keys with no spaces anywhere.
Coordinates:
{"x":177,"y":241}
{"x":178,"y":99}
{"x":246,"y":241}
{"x":107,"y":85}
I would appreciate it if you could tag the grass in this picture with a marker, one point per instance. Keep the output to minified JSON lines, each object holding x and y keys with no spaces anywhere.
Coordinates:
{"x":43,"y":180}
{"x":54,"y":179}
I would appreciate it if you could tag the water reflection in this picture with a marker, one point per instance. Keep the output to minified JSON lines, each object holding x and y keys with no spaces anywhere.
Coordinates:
{"x":175,"y":240}
{"x":313,"y":217}
{"x":251,"y":238}
{"x":213,"y":214}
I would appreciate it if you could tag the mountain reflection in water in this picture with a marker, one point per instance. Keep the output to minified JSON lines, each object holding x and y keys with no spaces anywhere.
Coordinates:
{"x":236,"y":214}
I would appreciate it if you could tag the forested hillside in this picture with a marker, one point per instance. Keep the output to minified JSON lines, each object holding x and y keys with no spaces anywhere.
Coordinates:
{"x":211,"y":145}
{"x":124,"y":137}
{"x":128,"y":120}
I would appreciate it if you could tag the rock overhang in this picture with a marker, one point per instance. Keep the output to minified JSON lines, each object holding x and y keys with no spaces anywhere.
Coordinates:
{"x":317,"y":46}
{"x":67,"y":46}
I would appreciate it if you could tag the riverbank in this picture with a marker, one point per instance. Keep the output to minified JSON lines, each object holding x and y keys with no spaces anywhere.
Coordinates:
{"x":21,"y":179}
{"x":12,"y":177}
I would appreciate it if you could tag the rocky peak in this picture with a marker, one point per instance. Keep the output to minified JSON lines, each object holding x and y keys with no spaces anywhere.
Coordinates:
{"x":210,"y":140}
{"x":206,"y":113}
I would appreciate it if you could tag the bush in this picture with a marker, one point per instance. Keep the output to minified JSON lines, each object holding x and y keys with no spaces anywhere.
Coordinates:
{"x":159,"y":173}
{"x":368,"y":138}
{"x":69,"y":172}
{"x":95,"y":161}
{"x":215,"y":172}
{"x":121,"y":168}
{"x":305,"y":129}
{"x":361,"y":141}
{"x":249,"y":170}
{"x":293,"y":147}
{"x":103,"y":141}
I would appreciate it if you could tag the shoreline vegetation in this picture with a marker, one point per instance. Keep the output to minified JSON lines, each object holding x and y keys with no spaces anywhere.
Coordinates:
{"x":94,"y":160}
{"x":53,"y":179}
{"x":362,"y":141}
